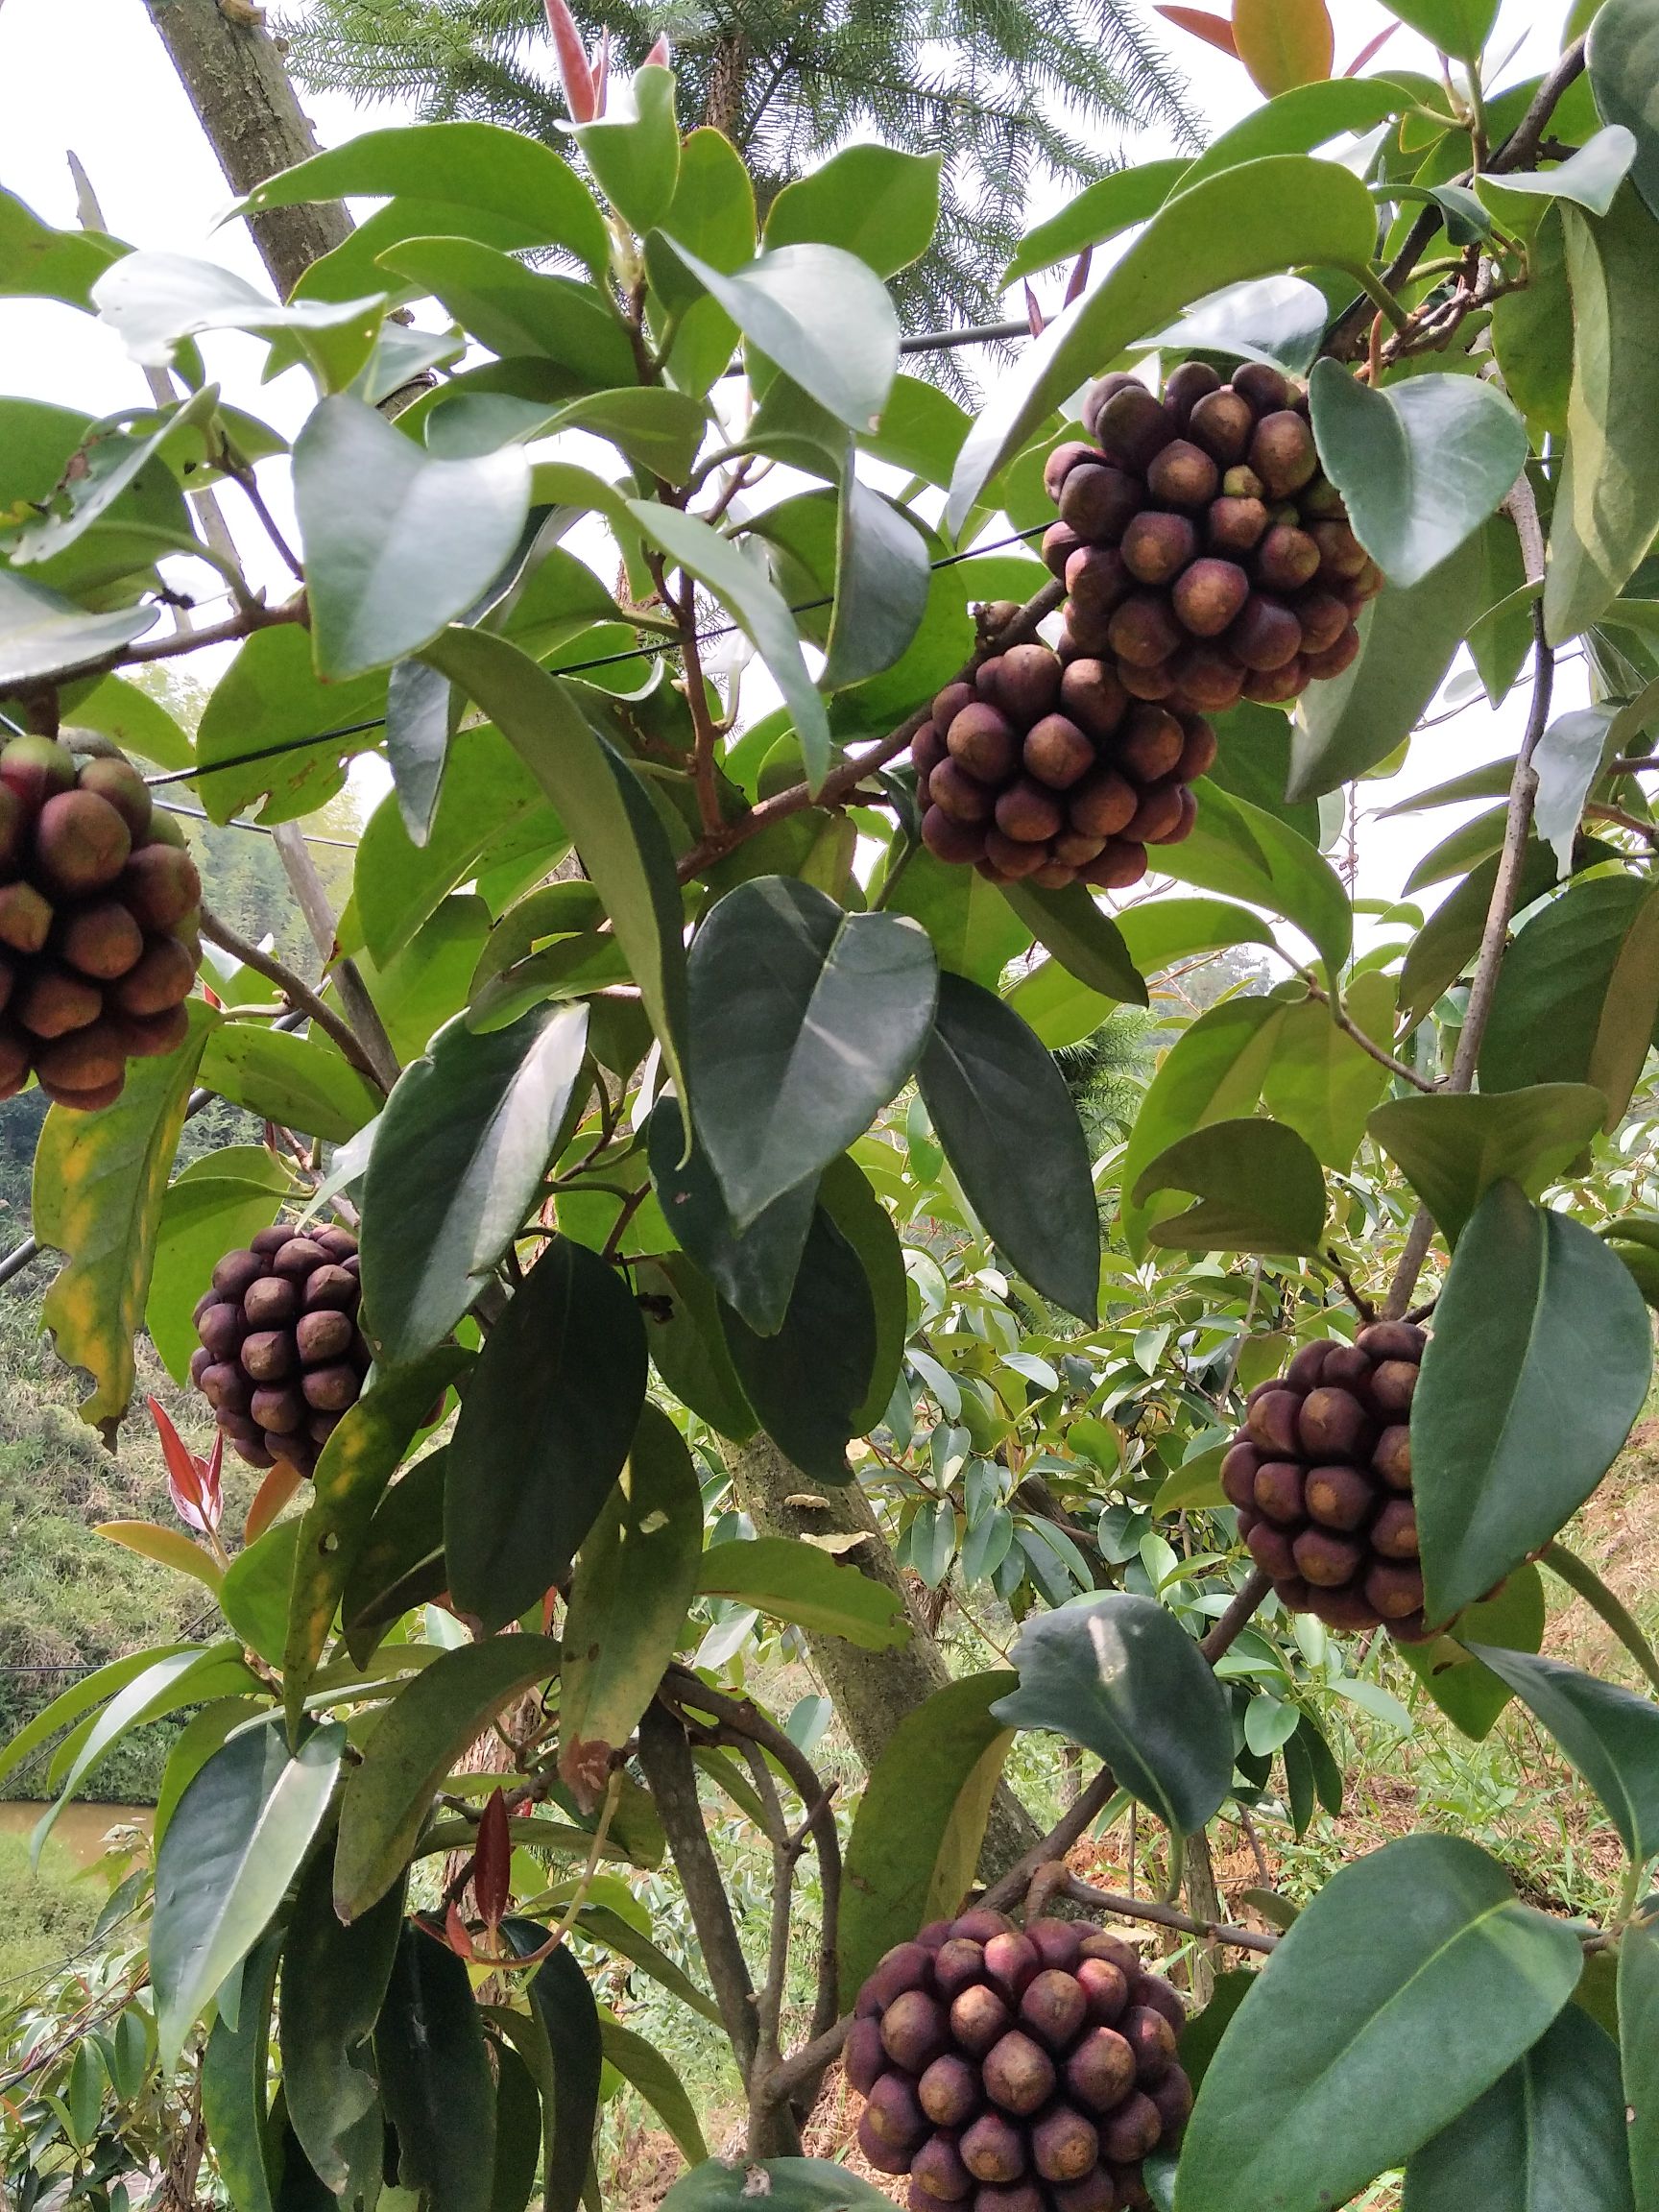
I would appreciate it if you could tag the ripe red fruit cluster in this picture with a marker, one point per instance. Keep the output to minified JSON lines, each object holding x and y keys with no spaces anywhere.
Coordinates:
{"x":98,"y":898}
{"x":1016,"y":2071}
{"x":1321,"y":1475}
{"x":282,"y":1354}
{"x":1207,"y":556}
{"x":1049,"y":770}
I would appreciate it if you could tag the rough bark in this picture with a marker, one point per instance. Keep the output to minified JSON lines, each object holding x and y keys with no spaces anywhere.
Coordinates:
{"x":871,"y":1691}
{"x":1203,"y":1903}
{"x":723,"y":109}
{"x":234,"y":74}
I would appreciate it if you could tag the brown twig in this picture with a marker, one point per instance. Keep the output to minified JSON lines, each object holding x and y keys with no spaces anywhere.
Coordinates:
{"x":1238,"y":1615}
{"x":1074,"y":1823}
{"x":1157,"y":1916}
{"x":1349,"y":1027}
{"x":294,"y":988}
{"x":232,"y":631}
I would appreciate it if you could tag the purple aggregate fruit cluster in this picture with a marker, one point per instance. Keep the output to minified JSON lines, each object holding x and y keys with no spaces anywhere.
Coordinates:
{"x":1050,"y":770}
{"x":1016,"y":2071}
{"x":1206,"y":555}
{"x":1321,"y":1475}
{"x":98,"y":901}
{"x":282,"y":1356}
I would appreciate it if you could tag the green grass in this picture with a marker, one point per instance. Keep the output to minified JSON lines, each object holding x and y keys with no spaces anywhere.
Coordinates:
{"x":44,"y":1915}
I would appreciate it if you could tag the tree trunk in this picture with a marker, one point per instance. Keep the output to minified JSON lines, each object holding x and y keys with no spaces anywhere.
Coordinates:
{"x":234,"y":74}
{"x":723,"y":109}
{"x":1203,"y":1903}
{"x":872,"y":1691}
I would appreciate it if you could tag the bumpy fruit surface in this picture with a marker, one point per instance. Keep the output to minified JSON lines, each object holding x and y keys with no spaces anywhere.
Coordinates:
{"x":98,"y":903}
{"x":1321,"y":1475}
{"x":1052,"y":771}
{"x":1207,"y":556}
{"x":282,"y":1354}
{"x":1005,"y":2068}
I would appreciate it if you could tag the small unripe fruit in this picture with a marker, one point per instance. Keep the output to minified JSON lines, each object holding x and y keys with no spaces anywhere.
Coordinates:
{"x":1395,"y":1587}
{"x":1334,"y":1425}
{"x":881,"y":2156}
{"x":1120,"y":864}
{"x":1151,"y":680}
{"x":1198,"y":748}
{"x":1286,"y":559}
{"x":1057,"y":753}
{"x":1283,"y":453}
{"x":1092,"y":696}
{"x":1341,"y":556}
{"x":1322,"y":666}
{"x":913,"y":2029}
{"x":1133,"y":427}
{"x":979,"y":2017}
{"x":938,"y":2171}
{"x":906,"y":1967}
{"x":160,"y":885}
{"x":279,"y":1410}
{"x":993,"y":2150}
{"x":1238,"y":1470}
{"x":1322,"y":618}
{"x":949,"y":2091}
{"x":1144,"y":631}
{"x":220,"y":1326}
{"x":1152,"y":2040}
{"x":1076,"y":848}
{"x":1343,"y":1607}
{"x":1010,"y":1962}
{"x":1207,"y":677}
{"x":1393,"y":1385}
{"x":331,"y":1390}
{"x":1156,"y":547}
{"x":1064,"y":2146}
{"x":1151,"y":1989}
{"x":272,"y":1302}
{"x":1018,"y":2074}
{"x":1010,"y":857}
{"x":298,"y":1259}
{"x":1023,"y":2197}
{"x":86,"y":1059}
{"x":960,"y":796}
{"x":1063,"y":460}
{"x":949,"y":703}
{"x":1278,"y":1492}
{"x":896,"y":2118}
{"x":1394,"y":1531}
{"x":1054,"y":2007}
{"x":1097,"y":502}
{"x":983,"y":744}
{"x":1159,"y":817}
{"x":81,"y":842}
{"x":1096,"y":2192}
{"x":1102,"y":803}
{"x":54,"y":1001}
{"x":1059,"y":543}
{"x":1173,"y":2098}
{"x":1272,"y":1421}
{"x":1101,"y":2072}
{"x":1222,"y":424}
{"x":237,"y":1272}
{"x":1265,"y":636}
{"x":980,"y":1922}
{"x":1271,"y":1550}
{"x":120,"y":784}
{"x":1101,"y":1943}
{"x":1339,"y":1498}
{"x":1057,"y":1942}
{"x":36,"y":769}
{"x":1028,"y":814}
{"x":1327,"y":1560}
{"x":1097,"y":579}
{"x":1027,"y":685}
{"x":1235,"y":526}
{"x":950,"y":840}
{"x":927,"y":751}
{"x":25,"y":917}
{"x":1276,"y":687}
{"x":161,"y":978}
{"x":1186,"y":386}
{"x":268,"y":1355}
{"x":1262,"y":386}
{"x":1184,"y":475}
{"x":863,"y":2061}
{"x":1382,"y":1340}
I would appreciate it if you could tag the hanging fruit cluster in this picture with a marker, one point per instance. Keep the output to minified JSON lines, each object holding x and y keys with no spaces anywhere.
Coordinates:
{"x":282,"y":1356}
{"x":98,"y":898}
{"x":1204,"y":554}
{"x":1321,"y":1475}
{"x":1016,"y":2071}
{"x":1049,"y":770}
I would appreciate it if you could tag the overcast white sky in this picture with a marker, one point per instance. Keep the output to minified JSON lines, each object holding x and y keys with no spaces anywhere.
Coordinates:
{"x":93,"y":76}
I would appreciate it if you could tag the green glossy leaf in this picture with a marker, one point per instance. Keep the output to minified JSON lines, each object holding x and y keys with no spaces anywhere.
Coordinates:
{"x":1321,"y":1082}
{"x":1121,"y":1676}
{"x":1448,"y":940}
{"x":1010,"y":1130}
{"x":1606,"y":507}
{"x":1167,"y":930}
{"x":1082,"y":936}
{"x":1412,"y":1982}
{"x":1538,"y":1364}
{"x":809,"y":1380}
{"x":92,"y":1688}
{"x":1259,"y":1186}
{"x":396,"y":544}
{"x":212,"y":1207}
{"x":435,"y":2076}
{"x":916,"y":1834}
{"x":564,"y":2007}
{"x":459,"y":1156}
{"x":791,"y":2185}
{"x":874,"y":201}
{"x":646,"y":2071}
{"x":1577,"y":995}
{"x":1213,"y":1073}
{"x":975,"y":930}
{"x":804,"y":1022}
{"x":688,"y":1343}
{"x":635,"y":1579}
{"x":39,"y":262}
{"x":1590,"y":178}
{"x":546,"y":1426}
{"x":1407,"y":640}
{"x":257,"y":1588}
{"x":100,"y":1185}
{"x":846,"y":1196}
{"x":475,"y":164}
{"x":269,"y":696}
{"x":105,"y":465}
{"x":754,"y":1271}
{"x":137,"y":722}
{"x":1547,"y":2132}
{"x":1459,"y":28}
{"x":153,"y":301}
{"x":423,"y":1732}
{"x":1454,"y":1148}
{"x":1284,"y":212}
{"x":1609,"y":1735}
{"x":795,"y":1581}
{"x":518,"y":2132}
{"x":1245,"y":853}
{"x":168,"y":1684}
{"x":1100,"y":212}
{"x":823,"y":316}
{"x":1301,"y":119}
{"x":356,"y":1464}
{"x":1468,"y":1693}
{"x":235,"y":1842}
{"x":568,"y":328}
{"x":623,"y":846}
{"x":44,"y":636}
{"x":881,"y":583}
{"x":1639,"y":2050}
{"x":1624,"y":59}
{"x":335,"y":1982}
{"x":634,"y":151}
{"x":302,"y":1082}
{"x":400,"y":1562}
{"x":1421,"y":464}
{"x":236,"y":2087}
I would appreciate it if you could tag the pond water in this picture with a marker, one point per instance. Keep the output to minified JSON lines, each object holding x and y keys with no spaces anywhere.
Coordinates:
{"x":80,"y":1827}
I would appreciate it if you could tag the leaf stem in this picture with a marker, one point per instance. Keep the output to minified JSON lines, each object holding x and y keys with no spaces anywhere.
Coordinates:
{"x":1378,"y":294}
{"x":1580,"y":1577}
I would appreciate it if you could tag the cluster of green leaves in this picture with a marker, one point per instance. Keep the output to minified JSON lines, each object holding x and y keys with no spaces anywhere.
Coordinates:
{"x":754,"y":1124}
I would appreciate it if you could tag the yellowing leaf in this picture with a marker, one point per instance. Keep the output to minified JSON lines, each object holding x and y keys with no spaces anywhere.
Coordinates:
{"x":169,"y":1547}
{"x":1284,"y":43}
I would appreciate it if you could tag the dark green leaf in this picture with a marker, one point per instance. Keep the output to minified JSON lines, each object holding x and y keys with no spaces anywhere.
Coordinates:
{"x":645,"y":2070}
{"x":1447,"y":941}
{"x":1214,"y":1073}
{"x":1254,"y":221}
{"x":804,"y":1022}
{"x":255,"y":1593}
{"x":634,"y":151}
{"x":1538,"y":1365}
{"x":1459,"y":28}
{"x":234,"y":1844}
{"x":418,"y":1739}
{"x":881,"y":582}
{"x":1578,"y":993}
{"x":975,"y":930}
{"x":1550,"y":2132}
{"x":1454,"y":1147}
{"x":1101,"y":211}
{"x":334,"y":1979}
{"x":1639,"y":2048}
{"x":518,"y":2132}
{"x":302,"y":1082}
{"x":1607,"y":505}
{"x":546,"y":1425}
{"x":400,"y":1562}
{"x":808,"y":1382}
{"x":1609,"y":1735}
{"x":622,"y":843}
{"x":1624,"y":59}
{"x":1082,"y":937}
{"x":268,"y":697}
{"x":1259,"y":1185}
{"x":874,"y":201}
{"x":635,"y":1579}
{"x":562,"y":2003}
{"x":754,"y":1271}
{"x":1468,"y":1693}
{"x":236,"y":2087}
{"x":795,"y":1581}
{"x":1009,"y":1127}
{"x":1121,"y":1676}
{"x":435,"y":2076}
{"x":916,"y":1834}
{"x":459,"y":1156}
{"x":1321,"y":1082}
{"x":845,"y":1194}
{"x":1404,"y":1990}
